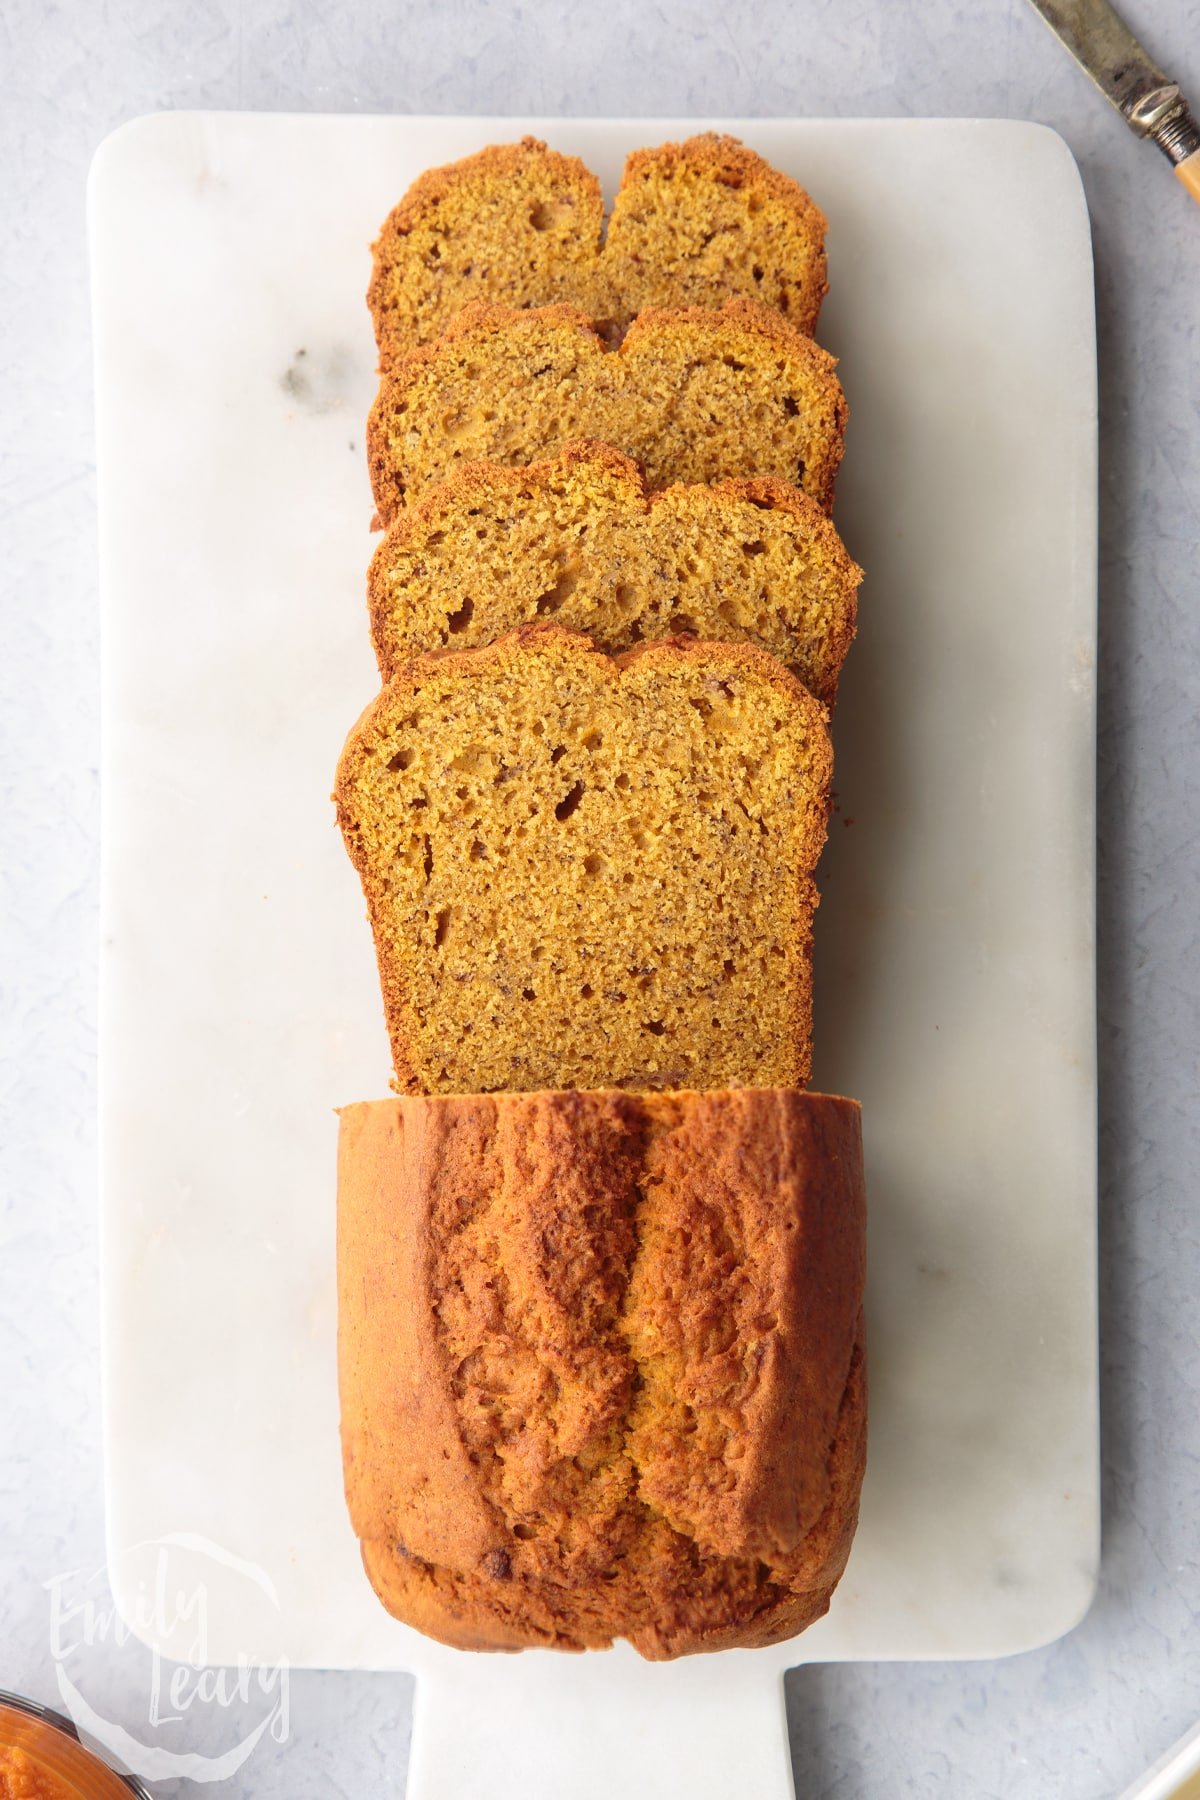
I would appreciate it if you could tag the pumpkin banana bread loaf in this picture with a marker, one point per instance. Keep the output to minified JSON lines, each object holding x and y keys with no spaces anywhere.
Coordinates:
{"x":520,"y":225}
{"x":692,"y":395}
{"x":587,"y":871}
{"x":600,"y":1363}
{"x":579,"y":540}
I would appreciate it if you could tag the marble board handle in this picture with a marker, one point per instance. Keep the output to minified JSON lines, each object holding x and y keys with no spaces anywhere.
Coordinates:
{"x":512,"y":1727}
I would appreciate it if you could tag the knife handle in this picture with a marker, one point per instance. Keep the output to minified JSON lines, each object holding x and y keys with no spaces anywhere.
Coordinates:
{"x":1188,"y":172}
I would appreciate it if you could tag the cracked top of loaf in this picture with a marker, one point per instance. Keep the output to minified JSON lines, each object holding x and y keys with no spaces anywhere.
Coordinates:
{"x":601,"y":1363}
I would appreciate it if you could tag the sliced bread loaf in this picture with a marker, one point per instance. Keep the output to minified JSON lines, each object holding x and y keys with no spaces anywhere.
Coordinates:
{"x":692,"y":395}
{"x":584,"y":871}
{"x":580,"y":540}
{"x":519,"y":225}
{"x":600,"y":1363}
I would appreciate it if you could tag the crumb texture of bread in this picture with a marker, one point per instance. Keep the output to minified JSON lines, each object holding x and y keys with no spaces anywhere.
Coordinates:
{"x":693,"y":224}
{"x":601,"y":1363}
{"x":581,"y":541}
{"x":585,"y":871}
{"x":691,"y":395}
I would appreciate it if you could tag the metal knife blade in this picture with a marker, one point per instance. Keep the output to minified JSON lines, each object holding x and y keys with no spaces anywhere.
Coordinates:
{"x":1106,"y":49}
{"x":1148,"y":100}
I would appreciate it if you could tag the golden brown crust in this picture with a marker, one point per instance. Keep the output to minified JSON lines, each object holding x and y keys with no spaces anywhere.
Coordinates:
{"x":750,"y":559}
{"x":600,"y":1363}
{"x":696,"y":221}
{"x":502,"y":163}
{"x":727,"y":160}
{"x":755,"y":319}
{"x":560,"y":1044}
{"x":481,"y":319}
{"x":693,"y":394}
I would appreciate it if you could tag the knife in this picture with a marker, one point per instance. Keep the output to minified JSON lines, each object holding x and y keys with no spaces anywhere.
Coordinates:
{"x":1146,"y":99}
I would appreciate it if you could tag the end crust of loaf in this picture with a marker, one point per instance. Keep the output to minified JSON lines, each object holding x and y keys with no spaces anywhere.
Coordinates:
{"x":601,"y":1363}
{"x":693,"y":395}
{"x":590,"y":871}
{"x":581,"y":540}
{"x":693,"y":224}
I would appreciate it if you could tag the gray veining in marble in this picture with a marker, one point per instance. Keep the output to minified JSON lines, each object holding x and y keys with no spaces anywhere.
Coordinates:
{"x":1077,"y":1720}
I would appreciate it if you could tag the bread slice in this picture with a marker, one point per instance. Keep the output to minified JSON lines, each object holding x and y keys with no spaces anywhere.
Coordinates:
{"x":693,"y":224}
{"x":580,"y":540}
{"x":585,"y":871}
{"x":601,"y":1365}
{"x":691,"y":395}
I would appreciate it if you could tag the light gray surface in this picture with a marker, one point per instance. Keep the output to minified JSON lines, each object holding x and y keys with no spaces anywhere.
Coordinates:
{"x":1078,"y":1720}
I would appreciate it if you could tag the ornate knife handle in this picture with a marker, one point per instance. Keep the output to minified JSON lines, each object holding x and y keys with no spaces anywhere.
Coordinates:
{"x":1163,"y":115}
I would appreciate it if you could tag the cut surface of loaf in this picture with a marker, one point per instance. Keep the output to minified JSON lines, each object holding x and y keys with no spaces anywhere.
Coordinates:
{"x":601,"y":1363}
{"x":580,"y":540}
{"x":520,"y":225}
{"x":691,"y":395}
{"x":586,"y":871}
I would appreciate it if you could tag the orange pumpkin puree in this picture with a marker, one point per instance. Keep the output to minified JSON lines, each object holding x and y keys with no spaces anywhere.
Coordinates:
{"x":21,"y":1778}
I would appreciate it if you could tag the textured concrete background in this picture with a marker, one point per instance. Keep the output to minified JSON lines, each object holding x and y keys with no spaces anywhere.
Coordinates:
{"x":1076,"y":1721}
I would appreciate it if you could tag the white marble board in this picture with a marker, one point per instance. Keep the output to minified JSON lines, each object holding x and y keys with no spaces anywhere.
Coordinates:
{"x":955,"y":943}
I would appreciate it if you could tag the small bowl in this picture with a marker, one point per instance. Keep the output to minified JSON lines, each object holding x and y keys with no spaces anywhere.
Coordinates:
{"x":50,"y":1746}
